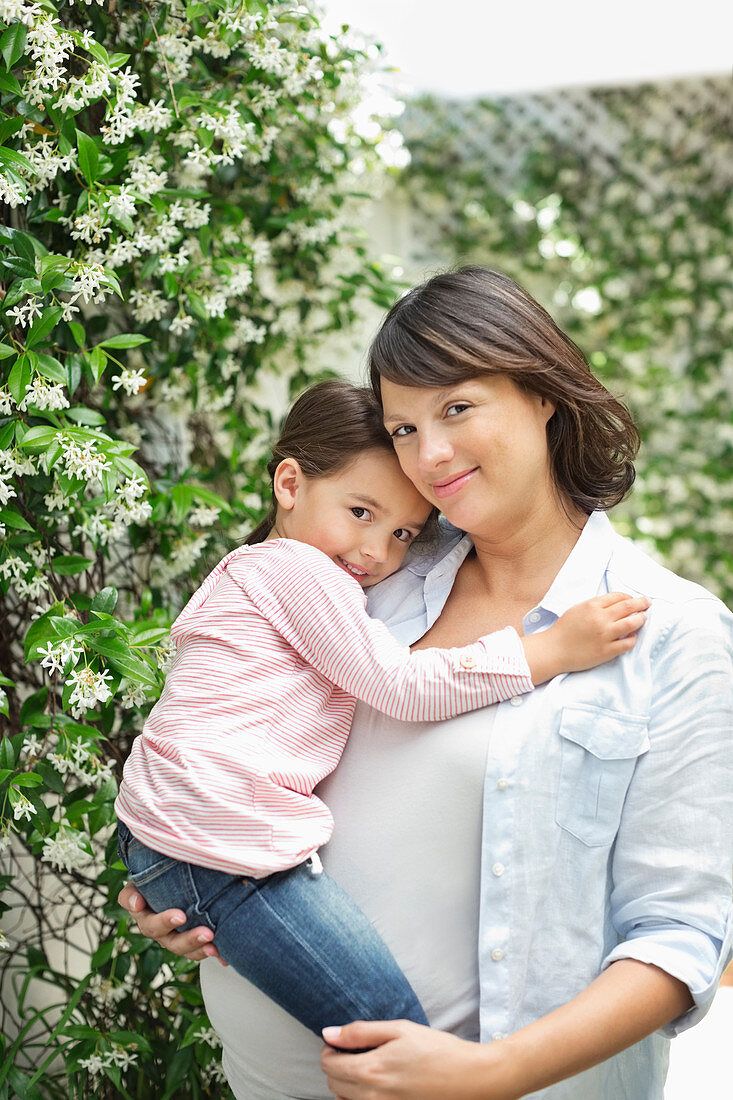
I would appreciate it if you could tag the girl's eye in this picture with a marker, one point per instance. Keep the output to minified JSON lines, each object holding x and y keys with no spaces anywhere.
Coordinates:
{"x":403,"y":534}
{"x":456,"y":408}
{"x":403,"y":430}
{"x":361,"y":513}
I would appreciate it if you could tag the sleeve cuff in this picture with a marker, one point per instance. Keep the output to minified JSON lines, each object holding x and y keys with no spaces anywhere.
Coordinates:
{"x":686,"y":953}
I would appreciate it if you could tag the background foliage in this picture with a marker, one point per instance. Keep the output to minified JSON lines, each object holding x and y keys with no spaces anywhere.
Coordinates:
{"x":178,"y":185}
{"x":613,"y":207}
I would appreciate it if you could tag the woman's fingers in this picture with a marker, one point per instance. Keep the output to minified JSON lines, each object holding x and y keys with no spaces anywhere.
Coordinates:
{"x":194,"y":944}
{"x":362,"y":1034}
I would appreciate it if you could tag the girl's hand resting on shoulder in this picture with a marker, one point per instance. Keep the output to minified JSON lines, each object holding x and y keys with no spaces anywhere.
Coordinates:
{"x":195,"y":944}
{"x":588,"y":634}
{"x":411,"y":1062}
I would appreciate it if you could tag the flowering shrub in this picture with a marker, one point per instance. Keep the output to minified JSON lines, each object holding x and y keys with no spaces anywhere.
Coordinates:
{"x":178,"y":184}
{"x":612,"y":206}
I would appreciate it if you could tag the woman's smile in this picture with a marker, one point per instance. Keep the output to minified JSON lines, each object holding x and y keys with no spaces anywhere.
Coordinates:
{"x":453,"y":484}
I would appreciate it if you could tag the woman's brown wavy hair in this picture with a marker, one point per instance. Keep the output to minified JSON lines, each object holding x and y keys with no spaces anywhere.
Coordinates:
{"x":474,"y":321}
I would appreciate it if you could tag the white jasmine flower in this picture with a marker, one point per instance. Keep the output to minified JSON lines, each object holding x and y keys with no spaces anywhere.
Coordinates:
{"x":6,"y":491}
{"x":121,"y":205}
{"x":65,"y":850}
{"x":23,"y":809}
{"x":181,"y":324}
{"x":133,"y":696}
{"x":203,"y":517}
{"x":32,"y":746}
{"x":131,"y":381}
{"x":89,"y":688}
{"x":44,"y":395}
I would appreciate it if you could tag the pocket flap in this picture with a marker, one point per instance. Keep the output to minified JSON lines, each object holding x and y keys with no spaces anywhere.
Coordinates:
{"x":607,"y":734}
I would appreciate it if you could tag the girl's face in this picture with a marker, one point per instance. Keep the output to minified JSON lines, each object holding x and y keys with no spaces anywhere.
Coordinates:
{"x":476,"y":449}
{"x":363,"y":518}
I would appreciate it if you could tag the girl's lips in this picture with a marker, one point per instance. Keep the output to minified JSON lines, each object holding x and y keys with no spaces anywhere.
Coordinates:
{"x":353,"y":570}
{"x":450,"y":486}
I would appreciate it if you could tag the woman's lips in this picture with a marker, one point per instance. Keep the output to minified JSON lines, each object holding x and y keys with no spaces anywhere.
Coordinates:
{"x":449,"y":486}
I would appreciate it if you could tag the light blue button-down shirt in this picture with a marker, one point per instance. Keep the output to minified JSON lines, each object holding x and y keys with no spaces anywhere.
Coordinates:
{"x":608,"y":802}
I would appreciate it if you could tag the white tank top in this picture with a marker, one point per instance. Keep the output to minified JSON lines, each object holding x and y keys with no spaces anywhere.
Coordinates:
{"x":407,"y":804}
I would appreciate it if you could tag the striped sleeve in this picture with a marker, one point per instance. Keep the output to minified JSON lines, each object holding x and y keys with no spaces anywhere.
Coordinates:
{"x":319,"y":611}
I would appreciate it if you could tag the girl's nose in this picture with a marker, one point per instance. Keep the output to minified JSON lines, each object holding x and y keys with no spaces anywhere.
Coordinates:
{"x":376,"y":547}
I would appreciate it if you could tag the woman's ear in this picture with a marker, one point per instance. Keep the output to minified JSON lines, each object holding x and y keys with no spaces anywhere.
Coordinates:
{"x":286,"y":483}
{"x":548,"y":408}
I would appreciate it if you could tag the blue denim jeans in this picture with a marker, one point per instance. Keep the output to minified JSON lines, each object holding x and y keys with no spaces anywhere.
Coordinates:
{"x":296,"y":935}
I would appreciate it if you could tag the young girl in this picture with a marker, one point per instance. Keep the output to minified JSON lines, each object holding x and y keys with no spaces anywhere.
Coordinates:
{"x":216,"y":810}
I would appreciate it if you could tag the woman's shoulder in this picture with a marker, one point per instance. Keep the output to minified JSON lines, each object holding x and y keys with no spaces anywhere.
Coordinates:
{"x":676,"y":600}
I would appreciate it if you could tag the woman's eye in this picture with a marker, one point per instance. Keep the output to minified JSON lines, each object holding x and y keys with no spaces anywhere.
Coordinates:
{"x":403,"y":430}
{"x":403,"y":534}
{"x":361,"y":513}
{"x":456,"y":408}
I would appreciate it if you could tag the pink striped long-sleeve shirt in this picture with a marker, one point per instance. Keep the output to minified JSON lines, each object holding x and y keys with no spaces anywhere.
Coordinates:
{"x":271,"y":653}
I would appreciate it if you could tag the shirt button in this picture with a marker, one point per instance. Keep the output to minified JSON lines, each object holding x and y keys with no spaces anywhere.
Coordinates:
{"x":534,"y":616}
{"x":497,"y":954}
{"x":468,"y":662}
{"x":498,"y":1035}
{"x":516,"y":701}
{"x":498,"y":869}
{"x":502,"y":784}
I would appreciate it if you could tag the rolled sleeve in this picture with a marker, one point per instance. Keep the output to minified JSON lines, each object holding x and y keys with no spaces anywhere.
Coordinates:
{"x":673,"y":857}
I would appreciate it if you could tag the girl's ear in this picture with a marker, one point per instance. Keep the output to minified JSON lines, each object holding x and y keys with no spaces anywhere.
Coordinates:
{"x":287,"y":481}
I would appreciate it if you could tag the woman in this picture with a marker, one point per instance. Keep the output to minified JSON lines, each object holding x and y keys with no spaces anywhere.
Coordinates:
{"x":553,"y":873}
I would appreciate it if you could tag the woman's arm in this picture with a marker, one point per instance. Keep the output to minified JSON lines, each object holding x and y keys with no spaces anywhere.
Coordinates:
{"x":627,"y":1002}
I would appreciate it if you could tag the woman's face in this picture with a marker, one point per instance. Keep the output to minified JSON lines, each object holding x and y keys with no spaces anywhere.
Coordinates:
{"x":476,"y":449}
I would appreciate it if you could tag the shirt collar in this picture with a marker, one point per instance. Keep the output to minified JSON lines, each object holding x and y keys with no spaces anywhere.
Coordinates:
{"x":582,"y":573}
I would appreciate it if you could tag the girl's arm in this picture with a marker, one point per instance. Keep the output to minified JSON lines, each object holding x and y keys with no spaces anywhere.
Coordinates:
{"x":627,"y":1002}
{"x":319,"y":611}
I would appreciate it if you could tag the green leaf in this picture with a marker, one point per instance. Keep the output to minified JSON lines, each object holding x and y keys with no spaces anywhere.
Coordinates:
{"x":88,"y":156}
{"x":117,"y":653}
{"x":12,"y":43}
{"x":73,"y":372}
{"x":105,"y":600}
{"x":97,"y":361}
{"x":68,"y":564}
{"x":33,"y":707}
{"x":103,"y":954}
{"x":11,"y":518}
{"x":80,"y":414}
{"x":7,"y":753}
{"x":77,"y":331}
{"x":124,"y":340}
{"x":20,"y":377}
{"x":8,"y":83}
{"x":37,"y":439}
{"x":51,"y":368}
{"x":43,"y":325}
{"x":6,"y":351}
{"x":17,"y":160}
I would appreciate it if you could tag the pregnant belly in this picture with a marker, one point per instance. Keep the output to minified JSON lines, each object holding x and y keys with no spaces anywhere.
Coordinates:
{"x":406,"y":800}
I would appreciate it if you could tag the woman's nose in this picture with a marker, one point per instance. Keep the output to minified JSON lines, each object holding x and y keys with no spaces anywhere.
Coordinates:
{"x":433,"y":449}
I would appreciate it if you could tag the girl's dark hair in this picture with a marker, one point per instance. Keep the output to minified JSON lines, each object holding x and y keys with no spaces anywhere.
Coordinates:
{"x":463,"y":324}
{"x":328,"y":427}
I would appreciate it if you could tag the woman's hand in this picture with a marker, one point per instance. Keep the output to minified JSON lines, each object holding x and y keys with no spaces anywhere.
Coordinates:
{"x":411,"y":1062}
{"x":195,"y":944}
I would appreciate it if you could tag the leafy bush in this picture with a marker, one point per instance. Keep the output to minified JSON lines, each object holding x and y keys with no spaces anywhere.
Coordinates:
{"x":179,"y":182}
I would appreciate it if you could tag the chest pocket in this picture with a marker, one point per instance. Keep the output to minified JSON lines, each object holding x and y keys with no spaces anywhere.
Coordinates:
{"x":600,"y":749}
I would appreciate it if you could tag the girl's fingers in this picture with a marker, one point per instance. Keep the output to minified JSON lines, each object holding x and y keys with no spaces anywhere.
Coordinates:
{"x":628,"y":625}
